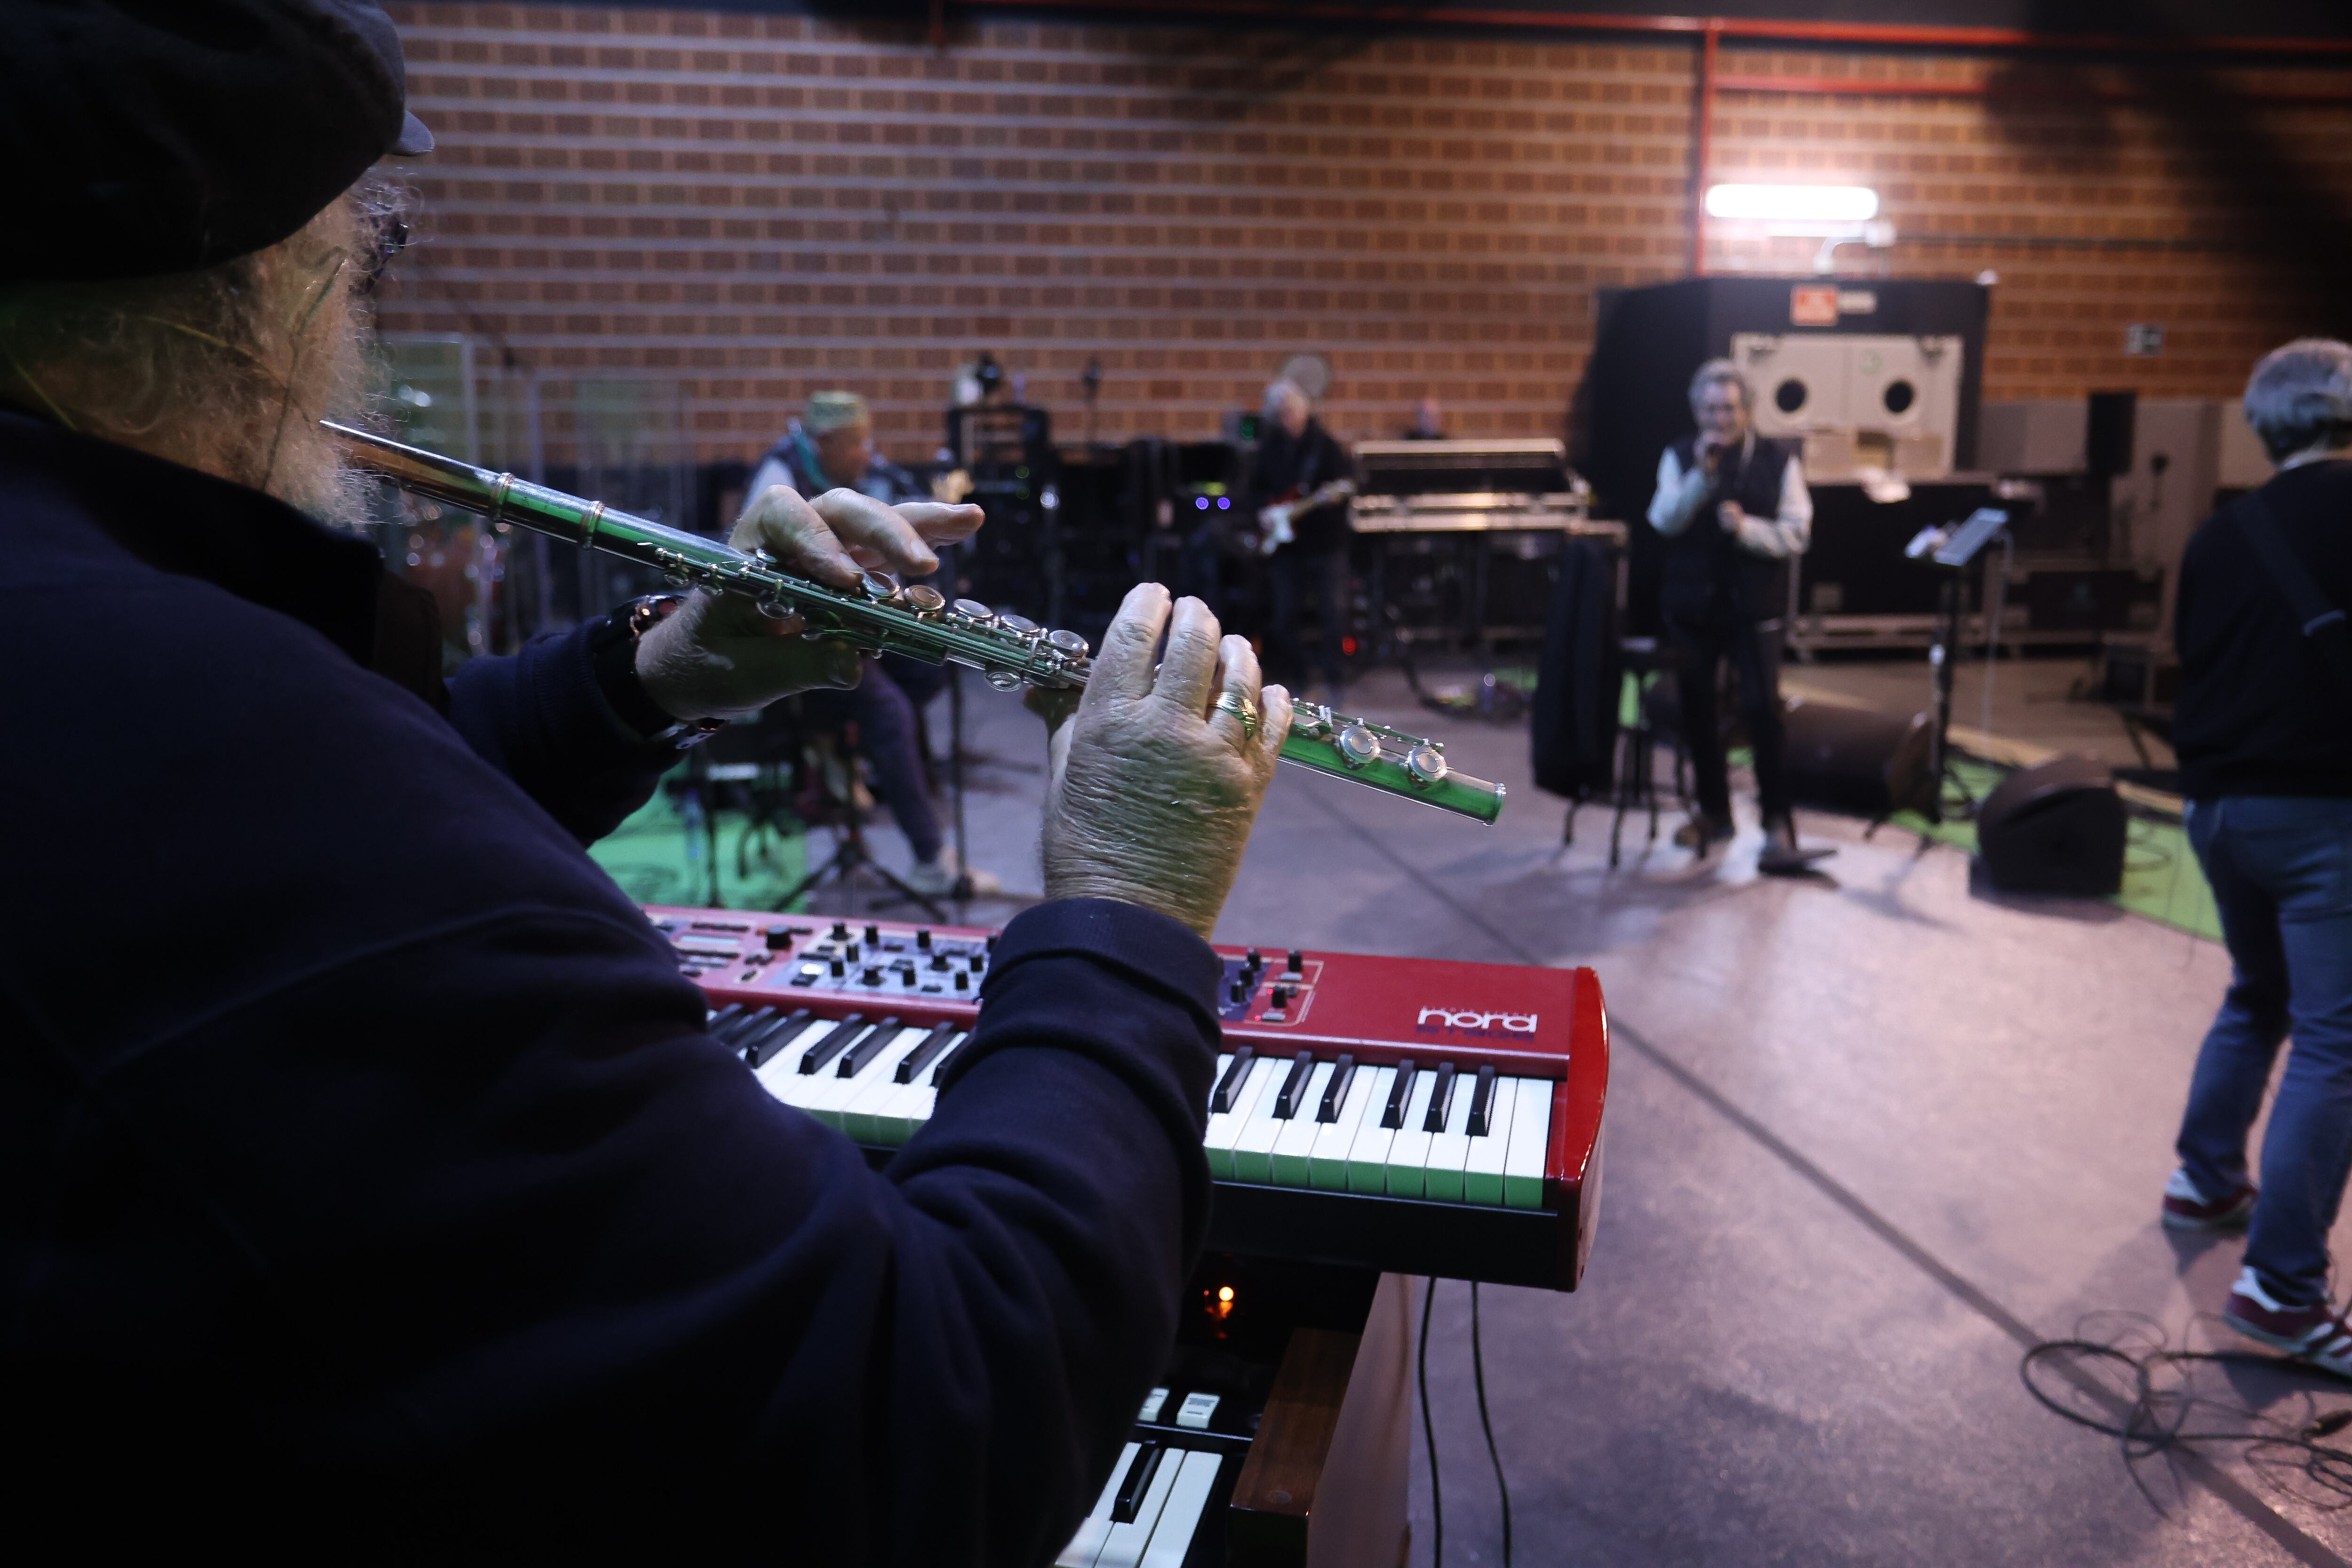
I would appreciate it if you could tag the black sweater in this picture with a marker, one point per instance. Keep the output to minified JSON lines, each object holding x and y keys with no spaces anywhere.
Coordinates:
{"x":364,"y":1167}
{"x":2258,"y":712}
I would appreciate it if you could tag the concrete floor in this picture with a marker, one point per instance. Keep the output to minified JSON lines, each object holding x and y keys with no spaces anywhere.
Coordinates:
{"x":2030,"y":700}
{"x":1868,"y":1135}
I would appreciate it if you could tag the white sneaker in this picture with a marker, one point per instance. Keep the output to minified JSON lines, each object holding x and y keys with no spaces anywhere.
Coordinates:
{"x":937,"y":878}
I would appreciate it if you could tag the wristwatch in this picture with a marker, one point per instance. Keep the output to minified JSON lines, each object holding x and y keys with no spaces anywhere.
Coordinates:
{"x":613,"y":648}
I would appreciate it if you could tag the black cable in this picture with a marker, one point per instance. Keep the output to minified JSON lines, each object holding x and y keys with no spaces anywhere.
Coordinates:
{"x":1478,"y":1374}
{"x":1428,"y":1433}
{"x":2158,"y":1417}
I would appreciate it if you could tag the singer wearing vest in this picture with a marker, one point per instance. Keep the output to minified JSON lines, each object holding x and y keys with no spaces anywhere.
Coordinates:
{"x":1733,"y":509}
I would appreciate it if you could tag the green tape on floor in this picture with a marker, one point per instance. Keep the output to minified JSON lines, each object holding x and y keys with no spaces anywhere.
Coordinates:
{"x":2161,"y":878}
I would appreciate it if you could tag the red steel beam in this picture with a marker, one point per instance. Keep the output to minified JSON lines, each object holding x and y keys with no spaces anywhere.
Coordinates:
{"x":1882,"y":33}
{"x":1875,"y":86}
{"x":1702,"y":145}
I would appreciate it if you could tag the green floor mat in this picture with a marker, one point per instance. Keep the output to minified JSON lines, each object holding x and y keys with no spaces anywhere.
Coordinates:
{"x":657,"y":861}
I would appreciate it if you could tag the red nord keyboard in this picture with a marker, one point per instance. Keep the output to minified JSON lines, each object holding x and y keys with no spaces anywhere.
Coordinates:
{"x":1414,"y":1116}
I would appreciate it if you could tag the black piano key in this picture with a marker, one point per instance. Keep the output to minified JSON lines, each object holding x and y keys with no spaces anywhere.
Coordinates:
{"x":1132,"y":1490}
{"x":1482,"y":1102}
{"x":728,"y":1017}
{"x":761,"y":1043}
{"x":853,"y":1059}
{"x":1335,"y":1093}
{"x":916,"y":1060}
{"x":948,"y":1060}
{"x":1440,"y":1100}
{"x":1231,"y":1084}
{"x":1399,"y":1096}
{"x":834,"y":1043}
{"x":1286,"y":1099}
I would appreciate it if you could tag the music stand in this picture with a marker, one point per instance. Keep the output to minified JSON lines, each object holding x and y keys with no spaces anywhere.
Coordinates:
{"x":1953,"y":548}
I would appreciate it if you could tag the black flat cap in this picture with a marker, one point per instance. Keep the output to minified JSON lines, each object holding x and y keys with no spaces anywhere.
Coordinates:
{"x":141,"y":137}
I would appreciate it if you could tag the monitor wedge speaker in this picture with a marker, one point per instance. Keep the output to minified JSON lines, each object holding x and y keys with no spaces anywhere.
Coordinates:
{"x":1857,"y":761}
{"x":2055,"y":828}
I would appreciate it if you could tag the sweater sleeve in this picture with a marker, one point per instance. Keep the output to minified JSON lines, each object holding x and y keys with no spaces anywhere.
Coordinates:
{"x":1678,"y":496}
{"x":537,"y":717}
{"x":549,"y":1239}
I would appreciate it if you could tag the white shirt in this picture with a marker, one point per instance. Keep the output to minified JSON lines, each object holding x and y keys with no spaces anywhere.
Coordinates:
{"x":1786,"y":534}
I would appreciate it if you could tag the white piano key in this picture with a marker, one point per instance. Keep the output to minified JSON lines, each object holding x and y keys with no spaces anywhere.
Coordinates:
{"x":783,"y":1075}
{"x":1522,"y":1166}
{"x":1367,"y":1156}
{"x":870,"y":1087}
{"x":1087,"y":1544}
{"x":826,"y":1101}
{"x":1450,"y":1150}
{"x":1254,"y":1143}
{"x":1327,"y":1162}
{"x":1409,"y":1154}
{"x":1482,"y":1174}
{"x":1226,"y":1126}
{"x":1295,"y":1143}
{"x":899,"y":1114}
{"x":1171,"y":1538}
{"x":1127,"y":1543}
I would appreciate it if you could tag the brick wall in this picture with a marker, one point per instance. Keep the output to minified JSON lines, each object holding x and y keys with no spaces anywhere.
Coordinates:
{"x":761,"y":205}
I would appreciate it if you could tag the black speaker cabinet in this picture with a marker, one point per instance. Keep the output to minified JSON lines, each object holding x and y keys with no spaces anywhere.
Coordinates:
{"x":2107,"y":434}
{"x":1853,"y":761}
{"x":2056,"y":829}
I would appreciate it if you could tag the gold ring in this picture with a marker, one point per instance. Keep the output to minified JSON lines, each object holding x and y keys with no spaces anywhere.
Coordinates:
{"x":1241,"y":707}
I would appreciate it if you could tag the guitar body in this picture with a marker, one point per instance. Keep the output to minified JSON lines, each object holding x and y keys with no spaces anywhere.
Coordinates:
{"x":1275,"y":518}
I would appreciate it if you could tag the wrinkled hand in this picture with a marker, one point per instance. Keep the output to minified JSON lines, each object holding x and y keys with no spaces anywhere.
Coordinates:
{"x":1153,"y":791}
{"x":718,"y":656}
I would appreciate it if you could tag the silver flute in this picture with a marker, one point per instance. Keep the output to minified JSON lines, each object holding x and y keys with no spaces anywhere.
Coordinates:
{"x":883,"y":617}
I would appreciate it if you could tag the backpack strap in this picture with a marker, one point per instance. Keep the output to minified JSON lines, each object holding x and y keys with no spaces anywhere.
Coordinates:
{"x":2324,"y":626}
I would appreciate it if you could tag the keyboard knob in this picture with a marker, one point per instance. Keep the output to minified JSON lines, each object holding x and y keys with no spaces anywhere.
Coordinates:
{"x":872,"y":976}
{"x":841,"y":931}
{"x":939,"y":960}
{"x":923,"y":938}
{"x":779,"y":938}
{"x":963,"y":981}
{"x":1297,"y":965}
{"x":839,"y":968}
{"x":873,"y":935}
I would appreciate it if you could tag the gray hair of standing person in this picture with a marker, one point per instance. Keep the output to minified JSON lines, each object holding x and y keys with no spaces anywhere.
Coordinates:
{"x":1722,"y":372}
{"x":2300,"y":396}
{"x":1280,"y":393}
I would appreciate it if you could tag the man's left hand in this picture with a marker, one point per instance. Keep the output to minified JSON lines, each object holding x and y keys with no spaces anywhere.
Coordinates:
{"x":718,"y":656}
{"x":1732,"y":516}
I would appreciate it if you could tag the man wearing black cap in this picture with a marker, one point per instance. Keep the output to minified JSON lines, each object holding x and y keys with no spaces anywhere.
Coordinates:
{"x":368,"y":1187}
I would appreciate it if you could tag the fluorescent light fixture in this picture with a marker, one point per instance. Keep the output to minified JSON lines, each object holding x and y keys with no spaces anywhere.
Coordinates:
{"x":1793,"y":204}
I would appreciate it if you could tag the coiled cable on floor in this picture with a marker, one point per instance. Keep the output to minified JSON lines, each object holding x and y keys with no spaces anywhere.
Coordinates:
{"x":2157,"y":1414}
{"x":1478,"y":1372}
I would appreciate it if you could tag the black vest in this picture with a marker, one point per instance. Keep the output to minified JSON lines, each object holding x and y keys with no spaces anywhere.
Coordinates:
{"x":1706,"y":571}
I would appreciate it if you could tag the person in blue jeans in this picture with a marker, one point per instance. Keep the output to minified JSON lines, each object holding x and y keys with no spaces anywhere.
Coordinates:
{"x":2263,"y":731}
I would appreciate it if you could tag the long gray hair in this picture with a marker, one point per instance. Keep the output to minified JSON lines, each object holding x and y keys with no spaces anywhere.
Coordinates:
{"x":2301,"y":395}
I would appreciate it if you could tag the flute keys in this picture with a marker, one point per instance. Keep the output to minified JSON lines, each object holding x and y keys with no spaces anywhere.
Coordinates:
{"x":1358,"y":746}
{"x":1070,"y":643}
{"x":879,"y":586}
{"x":925,"y":600}
{"x":1426,"y":763}
{"x":1019,"y":626}
{"x":975,"y":612}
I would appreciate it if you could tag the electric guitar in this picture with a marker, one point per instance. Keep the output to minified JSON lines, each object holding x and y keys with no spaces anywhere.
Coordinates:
{"x":1274,"y":529}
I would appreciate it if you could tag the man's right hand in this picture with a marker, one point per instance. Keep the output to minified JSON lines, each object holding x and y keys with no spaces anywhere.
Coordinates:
{"x":1154,"y":789}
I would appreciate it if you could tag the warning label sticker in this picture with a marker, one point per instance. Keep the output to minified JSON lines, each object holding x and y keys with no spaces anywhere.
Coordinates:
{"x":1812,"y":305}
